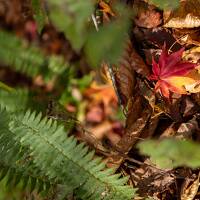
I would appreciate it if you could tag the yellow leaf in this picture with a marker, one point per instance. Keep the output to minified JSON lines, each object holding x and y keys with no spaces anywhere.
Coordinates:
{"x":192,"y":55}
{"x":188,"y":83}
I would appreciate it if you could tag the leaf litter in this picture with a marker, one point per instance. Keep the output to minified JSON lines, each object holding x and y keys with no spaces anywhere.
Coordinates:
{"x":158,"y":86}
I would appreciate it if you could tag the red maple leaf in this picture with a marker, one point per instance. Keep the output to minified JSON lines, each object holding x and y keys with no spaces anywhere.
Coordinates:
{"x":168,"y":67}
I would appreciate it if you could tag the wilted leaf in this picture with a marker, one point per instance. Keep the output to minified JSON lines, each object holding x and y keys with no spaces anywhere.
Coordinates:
{"x":147,"y":16}
{"x":186,"y":130}
{"x":151,"y":180}
{"x":137,"y":117}
{"x":125,"y":75}
{"x":187,"y":36}
{"x":165,"y":4}
{"x":189,"y":190}
{"x":186,"y":16}
{"x":172,"y":153}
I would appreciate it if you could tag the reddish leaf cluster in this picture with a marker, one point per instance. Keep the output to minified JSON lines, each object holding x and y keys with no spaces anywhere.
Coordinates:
{"x":168,"y":66}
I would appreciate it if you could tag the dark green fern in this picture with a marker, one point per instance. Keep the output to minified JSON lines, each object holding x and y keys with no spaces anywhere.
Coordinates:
{"x":59,"y":158}
{"x":39,"y":14}
{"x":15,"y":162}
{"x":14,"y":100}
{"x":28,"y":59}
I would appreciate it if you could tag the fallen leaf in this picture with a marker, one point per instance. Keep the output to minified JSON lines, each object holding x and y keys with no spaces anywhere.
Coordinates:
{"x":129,"y":63}
{"x":186,"y":130}
{"x":101,"y":94}
{"x":104,"y":7}
{"x":192,"y":55}
{"x":186,"y":16}
{"x":189,"y":83}
{"x":151,"y":180}
{"x":158,"y":36}
{"x":188,"y":107}
{"x":125,"y":75}
{"x":189,"y":191}
{"x":148,"y":18}
{"x":187,"y":36}
{"x":137,"y":117}
{"x":173,"y":74}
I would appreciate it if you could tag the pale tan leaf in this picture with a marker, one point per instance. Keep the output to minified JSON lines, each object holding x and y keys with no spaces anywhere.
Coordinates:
{"x":192,"y":55}
{"x":188,"y":192}
{"x":186,"y":16}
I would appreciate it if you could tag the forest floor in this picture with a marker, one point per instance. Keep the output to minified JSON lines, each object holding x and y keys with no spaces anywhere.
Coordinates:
{"x":116,"y":107}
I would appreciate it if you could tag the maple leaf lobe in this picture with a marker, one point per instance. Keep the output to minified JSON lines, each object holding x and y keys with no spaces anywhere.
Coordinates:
{"x":169,"y":65}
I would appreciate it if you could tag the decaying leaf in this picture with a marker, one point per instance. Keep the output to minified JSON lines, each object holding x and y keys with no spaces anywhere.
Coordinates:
{"x":193,"y":55}
{"x":130,"y":63}
{"x":147,"y":16}
{"x":186,"y":16}
{"x":188,"y":190}
{"x":186,"y":130}
{"x":125,"y":76}
{"x":187,"y":36}
{"x":173,"y":74}
{"x":125,"y":70}
{"x":151,"y":180}
{"x":137,"y":117}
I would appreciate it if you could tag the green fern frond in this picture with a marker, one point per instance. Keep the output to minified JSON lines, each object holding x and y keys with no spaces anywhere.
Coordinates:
{"x":27,"y":59}
{"x":39,"y":14}
{"x":14,"y":100}
{"x":61,"y":159}
{"x":71,"y":17}
{"x":15,"y":163}
{"x":16,"y":176}
{"x":6,"y":87}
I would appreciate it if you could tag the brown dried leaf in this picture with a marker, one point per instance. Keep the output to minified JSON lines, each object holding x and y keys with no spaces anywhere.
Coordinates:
{"x":188,"y":107}
{"x":137,"y":117}
{"x":186,"y":16}
{"x":147,"y":16}
{"x":188,"y":192}
{"x":125,"y":75}
{"x":186,"y":130}
{"x":187,"y":36}
{"x":150,"y":180}
{"x":15,"y":12}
